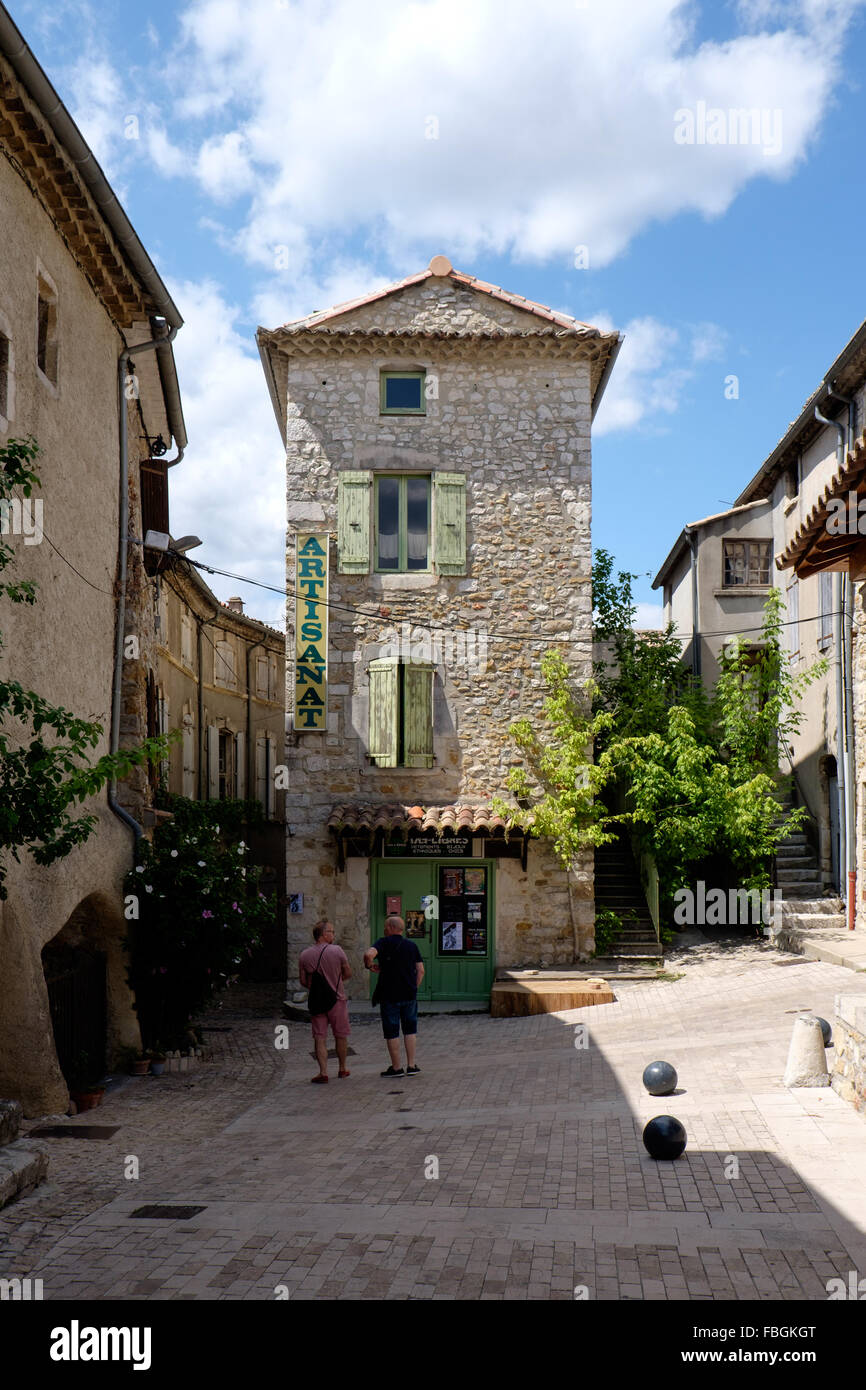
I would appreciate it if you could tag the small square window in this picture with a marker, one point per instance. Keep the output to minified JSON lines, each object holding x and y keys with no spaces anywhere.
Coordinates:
{"x":746,"y":564}
{"x":402,"y":393}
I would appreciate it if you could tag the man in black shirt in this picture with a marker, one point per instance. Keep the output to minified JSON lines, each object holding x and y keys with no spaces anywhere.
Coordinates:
{"x":400,"y":968}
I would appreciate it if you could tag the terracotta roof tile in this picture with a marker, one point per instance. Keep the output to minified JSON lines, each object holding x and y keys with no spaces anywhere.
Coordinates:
{"x":842,"y":480}
{"x":519,"y":301}
{"x":353,"y":818}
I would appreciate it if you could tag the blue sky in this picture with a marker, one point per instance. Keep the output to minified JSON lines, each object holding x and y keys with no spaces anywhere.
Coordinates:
{"x":275,"y":157}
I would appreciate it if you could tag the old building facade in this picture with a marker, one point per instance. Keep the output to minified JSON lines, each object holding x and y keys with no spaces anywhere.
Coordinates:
{"x":715,"y":581}
{"x":439,"y":489}
{"x":220,"y":680}
{"x":77,"y":291}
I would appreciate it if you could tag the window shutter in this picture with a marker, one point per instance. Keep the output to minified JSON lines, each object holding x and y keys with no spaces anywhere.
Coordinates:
{"x":353,"y":523}
{"x":224,"y":664}
{"x":240,"y":767}
{"x":418,"y":715}
{"x":384,"y":713}
{"x":270,"y":750}
{"x":188,"y":756}
{"x":213,"y":762}
{"x":449,"y":515}
{"x":261,"y":772}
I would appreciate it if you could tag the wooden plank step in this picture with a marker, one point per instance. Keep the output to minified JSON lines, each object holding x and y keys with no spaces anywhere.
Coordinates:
{"x":519,"y":998}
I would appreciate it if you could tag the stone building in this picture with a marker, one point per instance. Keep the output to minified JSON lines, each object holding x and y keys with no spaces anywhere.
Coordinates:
{"x":220,"y":679}
{"x":776,"y":534}
{"x":439,"y":486}
{"x":77,"y":291}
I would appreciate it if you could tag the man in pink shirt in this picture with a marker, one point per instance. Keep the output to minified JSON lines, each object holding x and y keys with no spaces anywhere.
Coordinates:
{"x":331,"y":960}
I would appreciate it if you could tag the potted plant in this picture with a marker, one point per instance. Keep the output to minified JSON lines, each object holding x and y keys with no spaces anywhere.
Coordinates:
{"x":157,"y":1061}
{"x":85,"y":1086}
{"x":138,"y":1063}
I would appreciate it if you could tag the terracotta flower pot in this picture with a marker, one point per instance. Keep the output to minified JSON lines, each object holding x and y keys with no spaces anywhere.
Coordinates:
{"x":141,"y":1066}
{"x":88,"y":1100}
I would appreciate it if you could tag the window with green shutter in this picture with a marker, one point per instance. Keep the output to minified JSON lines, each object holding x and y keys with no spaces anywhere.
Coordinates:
{"x":402,"y":511}
{"x":449,"y":519}
{"x":401,"y":713}
{"x":353,"y":522}
{"x":384,"y":741}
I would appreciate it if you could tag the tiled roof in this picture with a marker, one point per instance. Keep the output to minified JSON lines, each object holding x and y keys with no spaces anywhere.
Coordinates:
{"x":814,"y":528}
{"x":516,"y":300}
{"x":357,"y":819}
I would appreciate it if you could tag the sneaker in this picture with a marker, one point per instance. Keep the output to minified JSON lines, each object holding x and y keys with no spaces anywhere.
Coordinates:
{"x":392,"y":1071}
{"x":412,"y":1071}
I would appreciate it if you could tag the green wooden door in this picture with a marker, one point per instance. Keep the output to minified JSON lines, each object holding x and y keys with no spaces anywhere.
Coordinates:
{"x":457,"y":938}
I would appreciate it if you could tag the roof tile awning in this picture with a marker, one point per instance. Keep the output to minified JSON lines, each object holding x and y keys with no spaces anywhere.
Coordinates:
{"x":397,"y":820}
{"x":814,"y":547}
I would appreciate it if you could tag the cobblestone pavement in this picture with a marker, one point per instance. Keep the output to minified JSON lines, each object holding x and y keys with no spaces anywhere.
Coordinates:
{"x":543,"y":1183}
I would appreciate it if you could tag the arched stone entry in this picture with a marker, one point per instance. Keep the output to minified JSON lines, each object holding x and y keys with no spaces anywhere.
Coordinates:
{"x":90,"y":1001}
{"x":29,"y":1066}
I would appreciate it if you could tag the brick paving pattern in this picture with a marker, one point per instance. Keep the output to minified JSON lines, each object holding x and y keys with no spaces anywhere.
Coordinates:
{"x":544,"y":1187}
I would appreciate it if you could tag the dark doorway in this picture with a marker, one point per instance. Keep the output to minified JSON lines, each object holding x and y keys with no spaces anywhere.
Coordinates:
{"x":76,"y":981}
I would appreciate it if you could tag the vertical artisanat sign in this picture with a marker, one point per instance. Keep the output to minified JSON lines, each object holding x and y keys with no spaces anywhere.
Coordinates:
{"x":311,"y":632}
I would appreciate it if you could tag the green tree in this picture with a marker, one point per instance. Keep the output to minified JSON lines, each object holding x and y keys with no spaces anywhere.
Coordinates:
{"x":44,"y":765}
{"x":196,"y":911}
{"x":641,"y":674}
{"x":699,"y":778}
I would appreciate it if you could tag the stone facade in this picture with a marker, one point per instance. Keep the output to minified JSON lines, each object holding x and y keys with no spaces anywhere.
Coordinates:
{"x":849,"y":1041}
{"x":55,"y":236}
{"x":510,"y":412}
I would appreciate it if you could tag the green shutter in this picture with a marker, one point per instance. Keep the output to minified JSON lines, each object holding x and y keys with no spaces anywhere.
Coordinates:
{"x":353,"y":523}
{"x":418,"y":715}
{"x":384,"y":713}
{"x":449,"y":512}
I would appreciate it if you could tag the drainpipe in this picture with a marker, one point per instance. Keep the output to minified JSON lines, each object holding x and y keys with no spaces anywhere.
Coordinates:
{"x":846,"y":604}
{"x":843,"y":699}
{"x":696,"y":635}
{"x":123,"y":363}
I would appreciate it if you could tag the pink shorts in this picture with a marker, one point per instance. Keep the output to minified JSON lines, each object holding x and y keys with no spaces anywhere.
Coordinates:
{"x":338,"y":1017}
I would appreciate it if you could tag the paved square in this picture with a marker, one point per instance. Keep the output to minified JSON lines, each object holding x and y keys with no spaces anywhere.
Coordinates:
{"x":511,"y":1168}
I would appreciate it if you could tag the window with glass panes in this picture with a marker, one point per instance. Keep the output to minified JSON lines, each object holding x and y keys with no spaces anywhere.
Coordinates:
{"x":402,"y":393}
{"x":746,"y":563}
{"x":402,"y":523}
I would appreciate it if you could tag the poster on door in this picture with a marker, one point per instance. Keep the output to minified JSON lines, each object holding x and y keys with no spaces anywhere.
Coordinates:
{"x":463,"y":925}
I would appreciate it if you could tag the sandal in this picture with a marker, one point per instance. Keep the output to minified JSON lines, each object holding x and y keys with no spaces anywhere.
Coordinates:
{"x":344,"y":1073}
{"x":318,"y":1080}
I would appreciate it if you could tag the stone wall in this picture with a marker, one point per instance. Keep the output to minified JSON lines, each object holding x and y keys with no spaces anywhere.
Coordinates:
{"x":849,"y":1040}
{"x":515,"y":421}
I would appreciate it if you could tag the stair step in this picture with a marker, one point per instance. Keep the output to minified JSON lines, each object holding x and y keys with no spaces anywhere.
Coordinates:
{"x":824,"y":907}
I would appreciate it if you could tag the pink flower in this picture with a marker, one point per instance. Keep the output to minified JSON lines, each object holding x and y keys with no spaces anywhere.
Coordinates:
{"x":207,"y":914}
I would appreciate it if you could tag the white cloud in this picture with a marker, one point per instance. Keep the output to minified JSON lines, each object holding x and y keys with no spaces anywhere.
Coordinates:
{"x":229,"y":488}
{"x":554,"y":125}
{"x":654,"y":367}
{"x":649,"y":616}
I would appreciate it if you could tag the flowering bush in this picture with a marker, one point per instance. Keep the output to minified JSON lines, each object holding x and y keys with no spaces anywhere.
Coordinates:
{"x":195,"y":911}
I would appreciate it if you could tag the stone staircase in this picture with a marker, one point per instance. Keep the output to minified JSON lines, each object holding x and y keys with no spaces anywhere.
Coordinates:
{"x":23,"y":1162}
{"x":618,"y":887}
{"x":805,"y":907}
{"x":797,"y":872}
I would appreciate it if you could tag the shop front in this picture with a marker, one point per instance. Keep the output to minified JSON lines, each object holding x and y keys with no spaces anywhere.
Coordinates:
{"x":437,"y":869}
{"x":449,"y":907}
